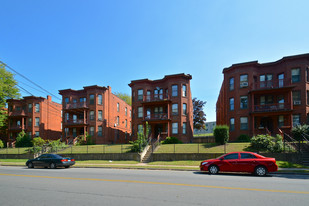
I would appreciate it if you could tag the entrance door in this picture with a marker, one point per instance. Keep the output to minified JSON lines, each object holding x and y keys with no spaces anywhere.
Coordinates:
{"x":267,"y":122}
{"x":158,"y":130}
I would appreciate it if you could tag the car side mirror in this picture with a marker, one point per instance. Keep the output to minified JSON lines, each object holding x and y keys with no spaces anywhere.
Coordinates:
{"x":221,"y":158}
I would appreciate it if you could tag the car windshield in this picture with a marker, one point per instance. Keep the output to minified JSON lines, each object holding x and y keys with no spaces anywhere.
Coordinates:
{"x":56,"y":156}
{"x":220,"y":156}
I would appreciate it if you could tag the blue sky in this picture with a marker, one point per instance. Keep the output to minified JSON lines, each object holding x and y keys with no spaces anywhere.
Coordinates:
{"x":63,"y":44}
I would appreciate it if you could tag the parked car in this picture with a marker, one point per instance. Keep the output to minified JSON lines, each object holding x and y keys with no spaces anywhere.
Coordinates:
{"x":248,"y":162}
{"x":50,"y":160}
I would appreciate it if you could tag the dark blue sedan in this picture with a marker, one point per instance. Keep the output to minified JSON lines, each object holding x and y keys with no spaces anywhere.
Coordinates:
{"x":50,"y":160}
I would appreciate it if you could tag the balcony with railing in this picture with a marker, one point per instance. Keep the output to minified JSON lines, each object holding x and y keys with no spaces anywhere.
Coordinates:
{"x":75,"y":122}
{"x":21,"y":113}
{"x":157,"y":117}
{"x":277,"y":107}
{"x":16,"y":127}
{"x":156,"y":98}
{"x":271,"y":84}
{"x":77,"y":105}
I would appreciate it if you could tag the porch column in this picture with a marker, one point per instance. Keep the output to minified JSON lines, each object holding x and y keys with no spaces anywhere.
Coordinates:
{"x":168,"y":112}
{"x":252,"y":126}
{"x":168,"y":129}
{"x":291,"y":120}
{"x":22,"y":123}
{"x":290,"y":99}
{"x":252,"y":103}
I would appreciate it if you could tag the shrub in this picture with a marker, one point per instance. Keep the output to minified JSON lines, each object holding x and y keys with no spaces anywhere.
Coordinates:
{"x":171,"y":140}
{"x":56,"y":144}
{"x":244,"y":138}
{"x":38,"y":141}
{"x":267,"y":143}
{"x":85,"y":140}
{"x":1,"y":144}
{"x":221,"y":133}
{"x":23,"y":140}
{"x":299,"y":130}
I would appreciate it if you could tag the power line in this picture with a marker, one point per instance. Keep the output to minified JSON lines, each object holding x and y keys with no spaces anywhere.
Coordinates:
{"x":25,"y":90}
{"x":31,"y":87}
{"x":29,"y":80}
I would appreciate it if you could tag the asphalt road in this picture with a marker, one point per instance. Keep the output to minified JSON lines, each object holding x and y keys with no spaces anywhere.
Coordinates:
{"x":79,"y":186}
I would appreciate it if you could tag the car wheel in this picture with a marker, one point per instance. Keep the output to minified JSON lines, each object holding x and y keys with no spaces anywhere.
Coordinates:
{"x":30,"y":165}
{"x":52,"y":166}
{"x":260,"y":171}
{"x":213,"y":169}
{"x":67,"y":166}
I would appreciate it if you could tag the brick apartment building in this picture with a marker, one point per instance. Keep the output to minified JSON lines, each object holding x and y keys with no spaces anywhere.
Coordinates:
{"x":37,"y":116}
{"x":263,"y":98}
{"x":166,"y":104}
{"x":97,"y":111}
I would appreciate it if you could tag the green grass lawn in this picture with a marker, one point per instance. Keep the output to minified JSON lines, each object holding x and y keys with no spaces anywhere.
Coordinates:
{"x":117,"y":148}
{"x":124,"y":148}
{"x":201,"y":148}
{"x":203,"y":135}
{"x":22,"y":150}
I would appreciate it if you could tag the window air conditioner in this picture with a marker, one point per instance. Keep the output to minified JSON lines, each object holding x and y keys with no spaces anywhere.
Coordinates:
{"x":243,"y":84}
{"x":297,"y":102}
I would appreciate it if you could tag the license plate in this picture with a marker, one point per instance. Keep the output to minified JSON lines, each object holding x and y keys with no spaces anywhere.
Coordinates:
{"x":69,"y":160}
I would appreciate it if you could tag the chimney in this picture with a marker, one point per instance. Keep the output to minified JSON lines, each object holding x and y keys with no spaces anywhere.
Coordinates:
{"x":49,"y":98}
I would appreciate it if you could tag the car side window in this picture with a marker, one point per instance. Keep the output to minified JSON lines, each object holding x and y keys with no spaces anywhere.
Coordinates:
{"x":43,"y":157}
{"x":247,"y":156}
{"x":231,"y":156}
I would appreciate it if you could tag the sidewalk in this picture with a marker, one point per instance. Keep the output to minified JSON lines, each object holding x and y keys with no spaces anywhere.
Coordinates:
{"x":300,"y":171}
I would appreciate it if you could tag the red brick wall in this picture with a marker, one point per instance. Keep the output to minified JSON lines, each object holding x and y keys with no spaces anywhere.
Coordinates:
{"x":254,"y":70}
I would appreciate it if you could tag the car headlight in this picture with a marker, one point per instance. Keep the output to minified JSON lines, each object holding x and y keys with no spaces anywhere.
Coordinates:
{"x":204,"y":163}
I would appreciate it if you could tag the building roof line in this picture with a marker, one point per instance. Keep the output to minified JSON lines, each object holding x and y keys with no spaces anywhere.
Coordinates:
{"x":257,"y":64}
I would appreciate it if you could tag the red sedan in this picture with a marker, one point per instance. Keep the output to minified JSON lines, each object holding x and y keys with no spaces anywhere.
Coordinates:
{"x":240,"y":162}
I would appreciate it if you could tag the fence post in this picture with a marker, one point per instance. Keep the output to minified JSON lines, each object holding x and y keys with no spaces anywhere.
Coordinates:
{"x":87,"y":149}
{"x":174,"y":148}
{"x":18,"y":150}
{"x":121,"y":148}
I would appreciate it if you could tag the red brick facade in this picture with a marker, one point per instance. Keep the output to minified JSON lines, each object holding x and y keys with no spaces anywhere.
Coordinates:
{"x":37,"y":116}
{"x":263,"y":98}
{"x":166,"y":105}
{"x":98,"y":112}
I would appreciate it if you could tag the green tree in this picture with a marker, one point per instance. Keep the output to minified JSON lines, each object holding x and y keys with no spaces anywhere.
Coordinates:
{"x":125,"y":97}
{"x":8,"y":90}
{"x":199,"y":117}
{"x":23,"y":140}
{"x":141,"y":142}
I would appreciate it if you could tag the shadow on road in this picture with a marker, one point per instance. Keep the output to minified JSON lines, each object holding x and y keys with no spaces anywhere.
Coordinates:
{"x":287,"y":176}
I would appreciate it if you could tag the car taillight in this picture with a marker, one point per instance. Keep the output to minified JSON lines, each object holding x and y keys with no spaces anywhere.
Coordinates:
{"x":64,"y":160}
{"x":72,"y":160}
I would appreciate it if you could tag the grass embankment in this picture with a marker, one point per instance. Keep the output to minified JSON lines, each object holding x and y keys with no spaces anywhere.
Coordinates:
{"x":204,"y":135}
{"x":21,"y":150}
{"x":117,"y":148}
{"x":202,"y":148}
